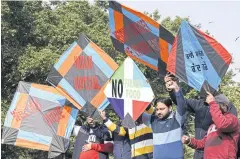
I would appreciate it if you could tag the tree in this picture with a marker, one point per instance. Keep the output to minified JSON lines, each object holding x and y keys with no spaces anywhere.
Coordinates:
{"x":17,"y":18}
{"x":34,"y":35}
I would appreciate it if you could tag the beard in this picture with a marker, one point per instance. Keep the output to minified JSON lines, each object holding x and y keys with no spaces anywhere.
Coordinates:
{"x":163,"y":117}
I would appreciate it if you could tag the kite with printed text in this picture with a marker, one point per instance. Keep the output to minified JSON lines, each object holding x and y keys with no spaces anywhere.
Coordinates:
{"x":81,"y":74}
{"x":198,"y":59}
{"x":40,"y":118}
{"x":139,"y":36}
{"x":129,"y":92}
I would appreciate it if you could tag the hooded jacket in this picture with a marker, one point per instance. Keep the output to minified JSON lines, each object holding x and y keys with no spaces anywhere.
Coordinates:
{"x":222,"y":136}
{"x":203,"y":118}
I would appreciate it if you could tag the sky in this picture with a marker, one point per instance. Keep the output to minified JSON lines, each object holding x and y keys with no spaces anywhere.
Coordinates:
{"x":224,"y":18}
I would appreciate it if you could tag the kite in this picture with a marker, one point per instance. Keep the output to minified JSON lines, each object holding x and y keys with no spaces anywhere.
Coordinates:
{"x":198,"y":60}
{"x":129,"y":92}
{"x":81,"y":75}
{"x":39,"y":117}
{"x":139,"y":36}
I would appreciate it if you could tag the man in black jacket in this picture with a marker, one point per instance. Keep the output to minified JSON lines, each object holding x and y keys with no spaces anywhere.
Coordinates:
{"x":94,"y":133}
{"x":200,"y":108}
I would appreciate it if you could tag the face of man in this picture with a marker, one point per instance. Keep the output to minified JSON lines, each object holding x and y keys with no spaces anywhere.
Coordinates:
{"x":91,"y":122}
{"x":162,"y":110}
{"x":223,"y":107}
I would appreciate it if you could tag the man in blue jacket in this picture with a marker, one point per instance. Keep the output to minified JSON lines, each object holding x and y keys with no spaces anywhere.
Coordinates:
{"x":167,"y":126}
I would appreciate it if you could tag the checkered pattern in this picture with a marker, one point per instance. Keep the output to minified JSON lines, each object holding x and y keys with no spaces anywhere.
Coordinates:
{"x":65,"y":72}
{"x":140,"y":37}
{"x":38,"y":117}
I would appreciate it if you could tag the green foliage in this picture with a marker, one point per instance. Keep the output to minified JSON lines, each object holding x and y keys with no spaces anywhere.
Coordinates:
{"x":173,"y":25}
{"x":155,"y":15}
{"x":34,"y":63}
{"x":231,"y":89}
{"x":233,"y":92}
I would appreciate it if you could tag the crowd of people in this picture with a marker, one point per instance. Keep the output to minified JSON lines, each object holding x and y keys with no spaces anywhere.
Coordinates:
{"x":158,"y":133}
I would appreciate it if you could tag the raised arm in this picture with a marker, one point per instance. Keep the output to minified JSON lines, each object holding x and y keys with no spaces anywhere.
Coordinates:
{"x":224,"y":123}
{"x":120,"y":130}
{"x":181,"y":108}
{"x":149,"y":109}
{"x":192,"y":105}
{"x":181,"y":102}
{"x":146,"y":118}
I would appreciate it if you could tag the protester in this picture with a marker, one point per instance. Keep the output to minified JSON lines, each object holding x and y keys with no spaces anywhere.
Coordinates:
{"x":140,"y":137}
{"x":90,"y":141}
{"x":167,"y":126}
{"x":122,"y":147}
{"x":222,"y":136}
{"x":200,"y":108}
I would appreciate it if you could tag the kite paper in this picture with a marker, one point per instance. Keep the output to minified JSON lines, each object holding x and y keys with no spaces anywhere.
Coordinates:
{"x":198,"y":59}
{"x":129,"y":92}
{"x":39,"y":118}
{"x":81,"y":74}
{"x":139,"y":36}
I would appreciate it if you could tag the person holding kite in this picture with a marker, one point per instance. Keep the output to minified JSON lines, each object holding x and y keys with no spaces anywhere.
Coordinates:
{"x":90,"y":141}
{"x":140,"y":137}
{"x":121,"y":143}
{"x":200,"y":108}
{"x":222,"y":136}
{"x":167,"y":126}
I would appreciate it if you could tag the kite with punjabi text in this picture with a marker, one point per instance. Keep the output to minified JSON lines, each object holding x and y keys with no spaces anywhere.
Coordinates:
{"x":129,"y":92}
{"x":139,"y":36}
{"x":81,"y":74}
{"x":198,"y":59}
{"x":40,"y":118}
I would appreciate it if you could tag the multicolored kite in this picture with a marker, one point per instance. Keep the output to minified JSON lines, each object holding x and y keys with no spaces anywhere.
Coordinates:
{"x":81,"y":74}
{"x":140,"y":37}
{"x":198,"y":59}
{"x":39,"y":117}
{"x":129,"y":92}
